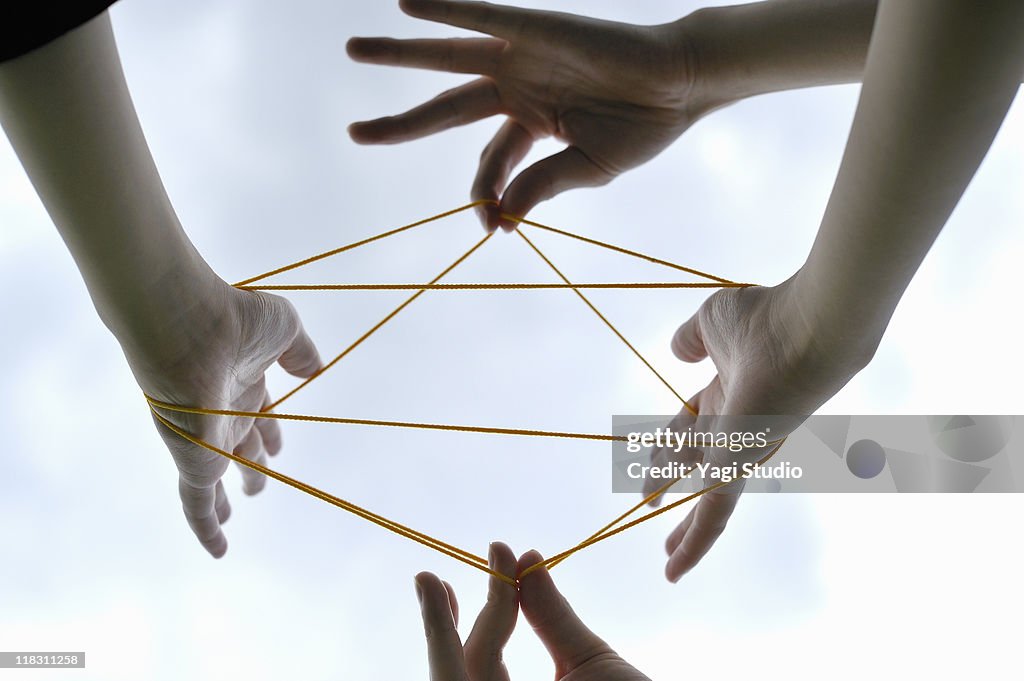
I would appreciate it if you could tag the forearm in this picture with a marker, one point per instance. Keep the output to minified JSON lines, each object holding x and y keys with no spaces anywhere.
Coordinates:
{"x":777,"y":45}
{"x":68,"y":114}
{"x":756,"y":48}
{"x":938,"y":82}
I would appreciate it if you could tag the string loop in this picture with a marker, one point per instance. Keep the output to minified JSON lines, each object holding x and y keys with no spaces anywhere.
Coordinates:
{"x":611,"y":529}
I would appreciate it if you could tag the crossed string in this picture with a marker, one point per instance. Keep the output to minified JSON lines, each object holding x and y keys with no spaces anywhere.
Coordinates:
{"x":611,"y":529}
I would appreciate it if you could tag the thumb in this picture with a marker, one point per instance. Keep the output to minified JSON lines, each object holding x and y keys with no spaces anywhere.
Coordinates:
{"x":569,"y":642}
{"x":688,"y":341}
{"x":300,"y":356}
{"x":549,"y":177}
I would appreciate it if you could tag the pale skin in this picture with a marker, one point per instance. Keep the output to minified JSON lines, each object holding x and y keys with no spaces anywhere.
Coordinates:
{"x":577,"y":653}
{"x":938,"y":79}
{"x":189,"y":338}
{"x":616,"y":94}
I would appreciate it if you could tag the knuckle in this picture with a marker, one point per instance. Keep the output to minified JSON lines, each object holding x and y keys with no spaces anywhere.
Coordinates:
{"x":205,"y":527}
{"x":481,"y":660}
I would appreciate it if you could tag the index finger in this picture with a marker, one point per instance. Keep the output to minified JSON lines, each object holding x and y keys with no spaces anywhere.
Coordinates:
{"x":687,"y":456}
{"x":695,"y":536}
{"x":444,"y":648}
{"x":497,"y":20}
{"x":497,"y":619}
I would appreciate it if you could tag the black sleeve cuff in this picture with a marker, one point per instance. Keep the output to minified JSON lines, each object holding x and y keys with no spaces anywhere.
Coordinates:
{"x":24,"y":26}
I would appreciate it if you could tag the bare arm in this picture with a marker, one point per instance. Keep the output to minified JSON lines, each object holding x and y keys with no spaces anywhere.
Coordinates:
{"x":622,"y":92}
{"x":762,"y":47}
{"x":756,"y":48}
{"x":939,"y":80}
{"x":188,"y":337}
{"x":67,"y":112}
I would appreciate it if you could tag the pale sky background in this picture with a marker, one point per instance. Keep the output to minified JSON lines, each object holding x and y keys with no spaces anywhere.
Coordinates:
{"x":245,"y":106}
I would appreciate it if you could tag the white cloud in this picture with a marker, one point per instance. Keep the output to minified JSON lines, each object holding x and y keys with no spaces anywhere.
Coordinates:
{"x":260,"y":175}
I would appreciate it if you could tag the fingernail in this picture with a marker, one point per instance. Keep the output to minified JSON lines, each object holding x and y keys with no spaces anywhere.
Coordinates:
{"x":491,"y":558}
{"x":419,"y":590}
{"x":535,"y":557}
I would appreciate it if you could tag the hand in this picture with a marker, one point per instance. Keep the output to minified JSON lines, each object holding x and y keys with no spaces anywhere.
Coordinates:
{"x":771,"y":362}
{"x":578,"y":653}
{"x":189,"y":338}
{"x":480,"y":659}
{"x":616,"y":94}
{"x":214,"y":355}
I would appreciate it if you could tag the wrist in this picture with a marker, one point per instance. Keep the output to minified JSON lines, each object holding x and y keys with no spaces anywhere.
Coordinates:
{"x":824,"y":326}
{"x":157,"y":313}
{"x":722,"y":63}
{"x":188,"y":343}
{"x":761,"y":47}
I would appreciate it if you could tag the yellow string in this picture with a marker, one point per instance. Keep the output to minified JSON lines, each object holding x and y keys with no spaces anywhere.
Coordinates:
{"x":342,"y":249}
{"x":618,"y":519}
{"x":608,"y":323}
{"x":557,"y":558}
{"x":487,"y":287}
{"x":611,"y":529}
{"x":375,"y":422}
{"x":619,"y":249}
{"x":420,"y":537}
{"x":479,"y":202}
{"x":319,"y":372}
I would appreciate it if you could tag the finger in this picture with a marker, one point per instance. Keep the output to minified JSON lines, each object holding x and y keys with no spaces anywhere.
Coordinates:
{"x":251,"y":449}
{"x":284,"y":338}
{"x":693,"y":541}
{"x":687,"y":456}
{"x":301,"y":358}
{"x":497,"y":20}
{"x":684,"y":420}
{"x":676,"y":535}
{"x":444,"y":649}
{"x":453,"y":602}
{"x":507,"y":150}
{"x":455,"y":55}
{"x":199,"y":506}
{"x":221,"y":504}
{"x":568,"y":640}
{"x":467,"y":103}
{"x":270,"y":430}
{"x":688,"y":341}
{"x":497,"y":619}
{"x":545,"y":179}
